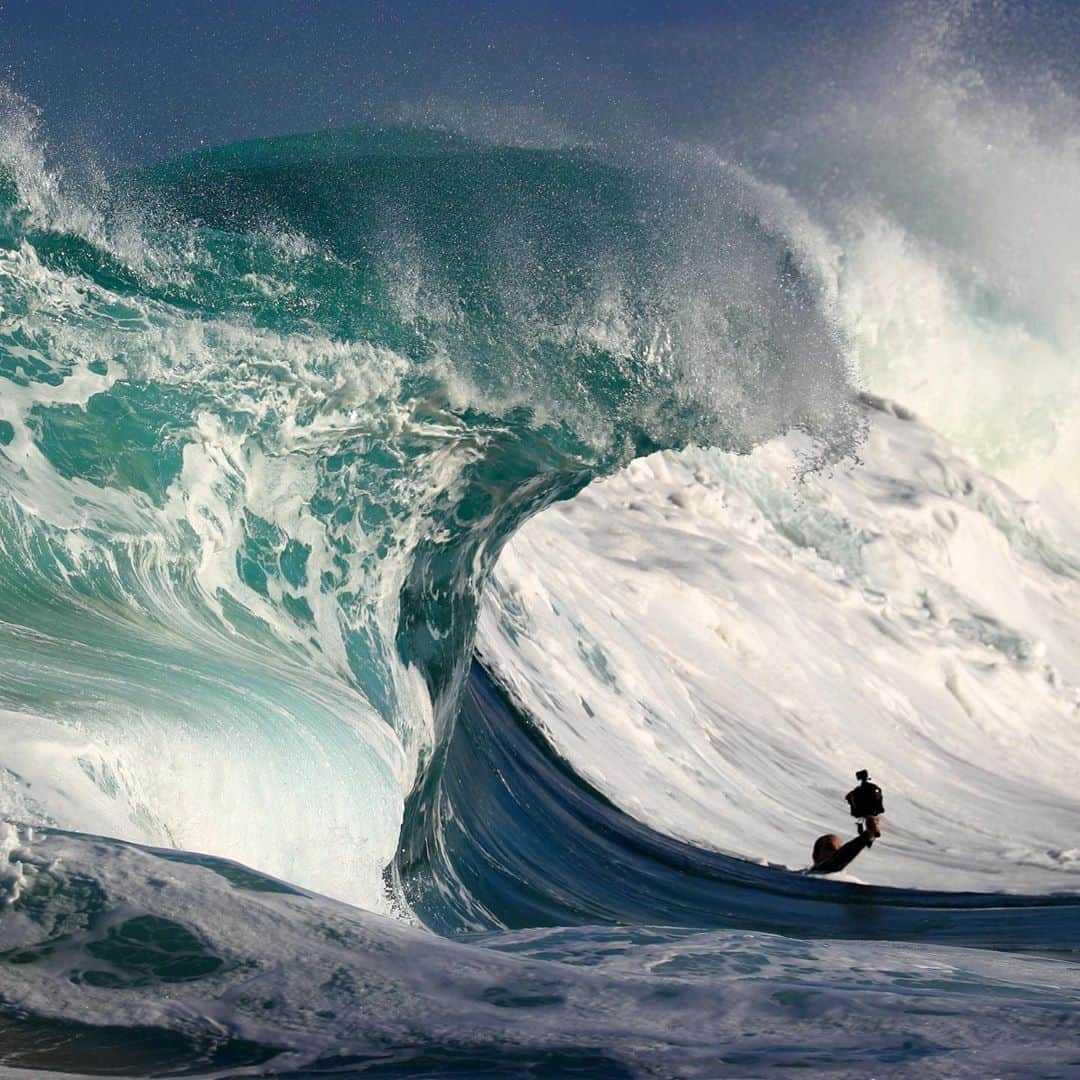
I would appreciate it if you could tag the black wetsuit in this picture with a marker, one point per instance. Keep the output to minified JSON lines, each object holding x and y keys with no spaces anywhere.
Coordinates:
{"x":839,"y":859}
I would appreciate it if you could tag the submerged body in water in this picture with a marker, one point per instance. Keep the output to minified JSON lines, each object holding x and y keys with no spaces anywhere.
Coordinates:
{"x":313,"y":453}
{"x":831,"y":855}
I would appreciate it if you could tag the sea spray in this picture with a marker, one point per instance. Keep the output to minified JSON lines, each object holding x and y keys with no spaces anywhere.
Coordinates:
{"x":275,"y":408}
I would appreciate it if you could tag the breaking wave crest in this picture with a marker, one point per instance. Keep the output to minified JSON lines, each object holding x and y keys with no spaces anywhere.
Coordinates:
{"x":270,"y":412}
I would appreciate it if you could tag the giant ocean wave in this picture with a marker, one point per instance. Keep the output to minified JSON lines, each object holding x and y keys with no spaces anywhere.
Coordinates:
{"x":277,"y":425}
{"x":270,"y":414}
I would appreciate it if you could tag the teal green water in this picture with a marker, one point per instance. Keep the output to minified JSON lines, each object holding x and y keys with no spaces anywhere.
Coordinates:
{"x":269,"y":412}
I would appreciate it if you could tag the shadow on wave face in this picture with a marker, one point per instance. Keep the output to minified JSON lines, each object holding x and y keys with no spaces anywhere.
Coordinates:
{"x":519,"y":840}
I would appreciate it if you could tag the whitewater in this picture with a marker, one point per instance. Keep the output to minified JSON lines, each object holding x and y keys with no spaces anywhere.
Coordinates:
{"x":447,"y":581}
{"x":705,"y":637}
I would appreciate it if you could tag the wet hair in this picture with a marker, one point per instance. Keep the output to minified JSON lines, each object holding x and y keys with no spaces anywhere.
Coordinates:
{"x":826,"y":845}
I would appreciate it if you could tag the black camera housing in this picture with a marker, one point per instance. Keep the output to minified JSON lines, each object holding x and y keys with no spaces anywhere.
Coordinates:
{"x":866,"y":800}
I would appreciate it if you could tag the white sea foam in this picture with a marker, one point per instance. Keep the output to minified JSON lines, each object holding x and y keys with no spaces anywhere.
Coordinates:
{"x":13,"y":873}
{"x":137,"y":726}
{"x":718,"y":647}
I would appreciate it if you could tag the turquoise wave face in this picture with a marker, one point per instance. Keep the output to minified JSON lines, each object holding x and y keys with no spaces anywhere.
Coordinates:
{"x":268,"y":414}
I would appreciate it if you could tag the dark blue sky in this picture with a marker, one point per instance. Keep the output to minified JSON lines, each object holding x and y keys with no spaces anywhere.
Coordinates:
{"x":138,"y":79}
{"x":133,"y":80}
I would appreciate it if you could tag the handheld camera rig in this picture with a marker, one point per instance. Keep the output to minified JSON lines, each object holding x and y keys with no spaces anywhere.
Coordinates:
{"x":866,"y":803}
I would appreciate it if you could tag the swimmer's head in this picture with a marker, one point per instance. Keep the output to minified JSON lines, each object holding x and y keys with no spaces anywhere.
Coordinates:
{"x":826,"y":845}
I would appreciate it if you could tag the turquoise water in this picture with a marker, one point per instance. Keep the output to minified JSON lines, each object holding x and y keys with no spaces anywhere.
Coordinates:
{"x":270,"y":412}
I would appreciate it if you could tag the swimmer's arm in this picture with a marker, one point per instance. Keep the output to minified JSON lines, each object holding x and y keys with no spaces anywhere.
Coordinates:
{"x":839,"y":859}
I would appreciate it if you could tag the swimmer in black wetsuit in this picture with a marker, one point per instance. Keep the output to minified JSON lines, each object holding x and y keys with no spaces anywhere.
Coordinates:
{"x":831,"y":854}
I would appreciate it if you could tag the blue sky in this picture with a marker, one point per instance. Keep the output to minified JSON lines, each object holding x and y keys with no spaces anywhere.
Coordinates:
{"x":139,"y":80}
{"x":125,"y":81}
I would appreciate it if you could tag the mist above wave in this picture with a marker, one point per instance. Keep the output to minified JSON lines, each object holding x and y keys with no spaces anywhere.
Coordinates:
{"x":942,"y":172}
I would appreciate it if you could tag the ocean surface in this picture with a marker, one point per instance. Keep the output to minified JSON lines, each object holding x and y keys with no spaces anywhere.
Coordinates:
{"x":447,"y":583}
